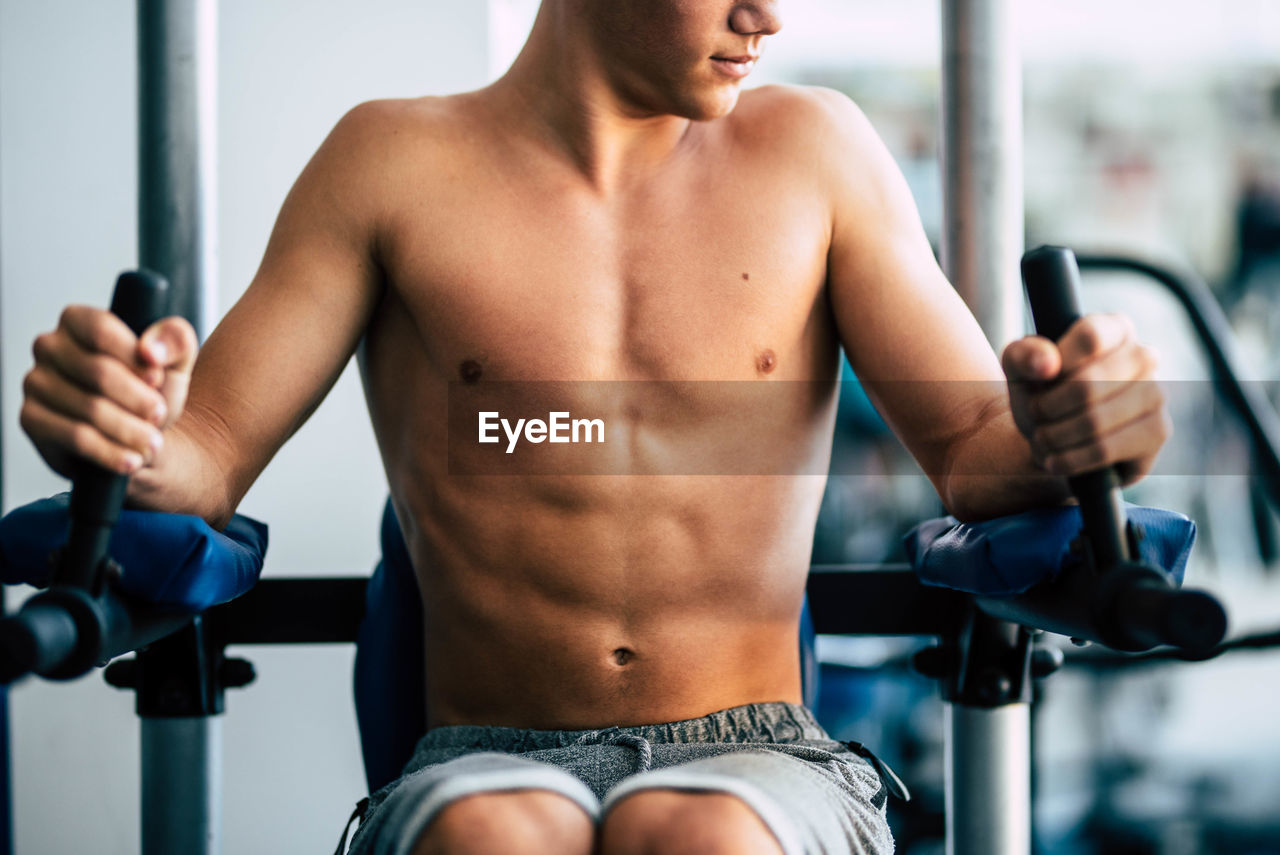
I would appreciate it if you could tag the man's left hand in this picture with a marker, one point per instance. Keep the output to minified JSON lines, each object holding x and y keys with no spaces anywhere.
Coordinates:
{"x":1090,"y":400}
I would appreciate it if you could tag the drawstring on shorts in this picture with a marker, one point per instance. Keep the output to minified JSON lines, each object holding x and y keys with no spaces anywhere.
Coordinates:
{"x":615,"y":736}
{"x":890,"y":783}
{"x":362,"y":807}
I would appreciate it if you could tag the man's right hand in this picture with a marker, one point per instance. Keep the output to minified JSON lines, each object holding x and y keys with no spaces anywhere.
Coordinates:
{"x":101,"y":393}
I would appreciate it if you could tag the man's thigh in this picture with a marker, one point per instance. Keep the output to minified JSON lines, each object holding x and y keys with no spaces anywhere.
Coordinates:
{"x":812,"y":800}
{"x":399,"y":820}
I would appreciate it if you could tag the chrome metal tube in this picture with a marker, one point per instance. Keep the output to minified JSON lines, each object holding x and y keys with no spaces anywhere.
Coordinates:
{"x":988,"y":780}
{"x":177,"y":219}
{"x":981,"y":157}
{"x":988,"y":754}
{"x":182,"y":786}
{"x":177,"y":139}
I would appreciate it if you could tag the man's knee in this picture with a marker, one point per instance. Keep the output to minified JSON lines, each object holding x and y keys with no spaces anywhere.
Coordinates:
{"x":521,"y":822}
{"x":673,"y":822}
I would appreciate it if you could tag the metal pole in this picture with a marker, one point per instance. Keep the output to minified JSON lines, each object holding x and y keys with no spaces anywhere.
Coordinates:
{"x":177,"y":104}
{"x":988,"y":780}
{"x":177,"y":89}
{"x":988,"y":754}
{"x":182,"y":784}
{"x":6,"y":791}
{"x":982,"y":237}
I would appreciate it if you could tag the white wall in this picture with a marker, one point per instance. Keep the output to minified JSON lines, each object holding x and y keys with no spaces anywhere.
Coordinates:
{"x":289,"y":70}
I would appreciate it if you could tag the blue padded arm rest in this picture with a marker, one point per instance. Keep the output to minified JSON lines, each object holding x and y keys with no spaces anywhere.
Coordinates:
{"x":1009,"y":555}
{"x":173,"y":560}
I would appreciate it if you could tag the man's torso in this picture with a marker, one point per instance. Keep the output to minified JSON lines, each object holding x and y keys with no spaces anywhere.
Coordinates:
{"x":656,"y":576}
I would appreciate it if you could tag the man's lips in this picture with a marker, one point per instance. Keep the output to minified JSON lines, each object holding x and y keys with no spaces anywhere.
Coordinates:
{"x":735,"y":66}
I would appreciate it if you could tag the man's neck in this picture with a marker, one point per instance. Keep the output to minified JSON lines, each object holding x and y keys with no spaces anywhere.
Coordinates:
{"x":558,"y":85}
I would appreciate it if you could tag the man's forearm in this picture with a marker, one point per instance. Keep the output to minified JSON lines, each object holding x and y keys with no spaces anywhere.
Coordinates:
{"x":991,"y":473}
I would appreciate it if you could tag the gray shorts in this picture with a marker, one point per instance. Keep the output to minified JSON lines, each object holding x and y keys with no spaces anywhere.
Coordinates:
{"x":814,"y":794}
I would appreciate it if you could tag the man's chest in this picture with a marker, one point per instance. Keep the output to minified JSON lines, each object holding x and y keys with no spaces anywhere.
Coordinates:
{"x":709,"y":283}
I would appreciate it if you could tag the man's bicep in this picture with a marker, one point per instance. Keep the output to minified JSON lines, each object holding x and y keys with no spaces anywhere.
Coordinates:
{"x":910,"y":338}
{"x":284,"y":343}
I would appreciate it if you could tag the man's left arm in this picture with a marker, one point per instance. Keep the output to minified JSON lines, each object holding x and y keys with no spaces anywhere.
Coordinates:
{"x":994,"y":436}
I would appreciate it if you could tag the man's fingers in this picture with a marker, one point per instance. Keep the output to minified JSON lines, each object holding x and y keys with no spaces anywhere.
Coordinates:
{"x":1130,"y":445}
{"x":1092,"y":337}
{"x":1033,"y":358}
{"x":1091,"y":383}
{"x":80,"y":438}
{"x":1088,"y":340}
{"x":99,"y":374}
{"x":99,"y":331}
{"x":99,"y":392}
{"x":116,"y":424}
{"x":169,"y":343}
{"x":1127,"y":403}
{"x":1100,"y":406}
{"x":170,"y":346}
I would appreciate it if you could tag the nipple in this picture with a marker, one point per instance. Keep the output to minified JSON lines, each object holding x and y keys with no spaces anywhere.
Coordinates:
{"x":470,"y":371}
{"x":766,"y":362}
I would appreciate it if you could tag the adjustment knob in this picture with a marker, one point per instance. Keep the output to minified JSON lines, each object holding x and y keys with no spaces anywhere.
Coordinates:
{"x":236,"y":673}
{"x":123,"y":673}
{"x":1046,"y":660}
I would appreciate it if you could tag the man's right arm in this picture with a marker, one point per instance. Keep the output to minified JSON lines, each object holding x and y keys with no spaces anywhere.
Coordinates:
{"x":195,"y":434}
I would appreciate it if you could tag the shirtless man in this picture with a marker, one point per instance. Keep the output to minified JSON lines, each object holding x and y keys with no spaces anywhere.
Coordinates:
{"x":611,"y":209}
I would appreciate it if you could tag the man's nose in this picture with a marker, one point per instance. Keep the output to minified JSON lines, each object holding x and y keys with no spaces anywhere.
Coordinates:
{"x":759,"y":17}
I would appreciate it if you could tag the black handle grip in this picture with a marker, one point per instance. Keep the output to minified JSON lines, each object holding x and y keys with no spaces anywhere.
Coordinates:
{"x":38,"y":638}
{"x":1133,"y":607}
{"x":63,"y":632}
{"x":140,"y":299}
{"x":1136,"y":608}
{"x":1052,"y":279}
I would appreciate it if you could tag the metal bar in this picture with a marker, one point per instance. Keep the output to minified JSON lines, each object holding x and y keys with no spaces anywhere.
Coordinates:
{"x":880,"y":600}
{"x":982,"y":237}
{"x":869,"y":599}
{"x":293,"y":611}
{"x":177,"y":138}
{"x":6,"y":782}
{"x":988,"y":756}
{"x":182,"y":786}
{"x":177,"y":102}
{"x":988,"y":780}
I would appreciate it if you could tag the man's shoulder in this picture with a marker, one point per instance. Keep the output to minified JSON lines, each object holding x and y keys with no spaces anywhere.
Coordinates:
{"x":378,"y":146}
{"x":810,"y":122}
{"x":400,"y":121}
{"x":804,"y":110}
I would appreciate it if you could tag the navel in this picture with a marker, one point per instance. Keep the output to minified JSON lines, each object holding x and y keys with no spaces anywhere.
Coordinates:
{"x":623,"y":655}
{"x":470,"y":370}
{"x":766,"y":361}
